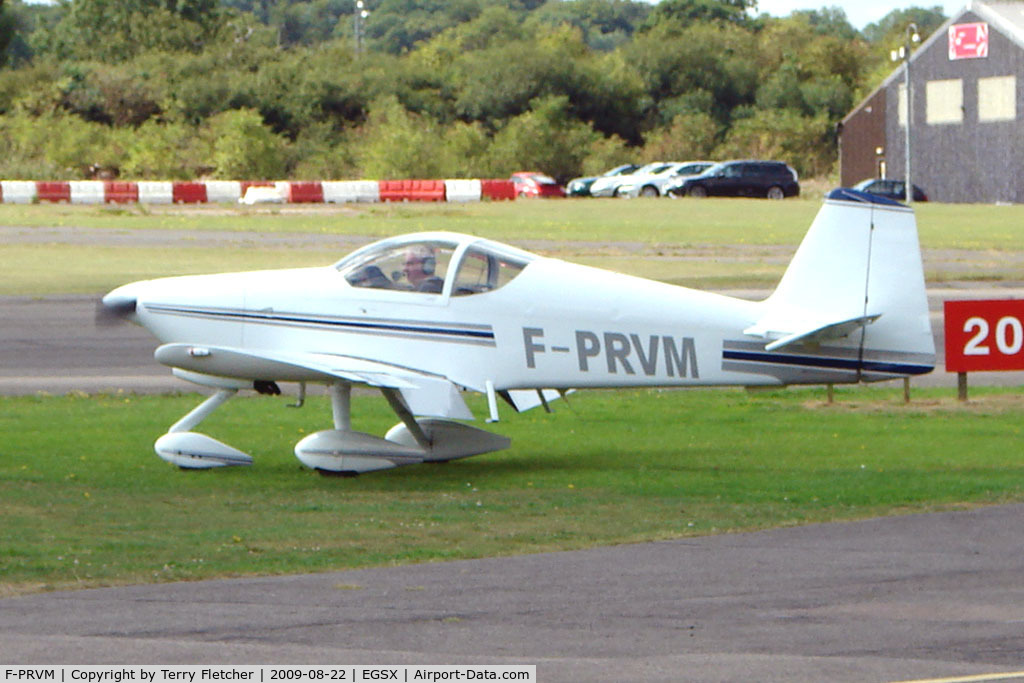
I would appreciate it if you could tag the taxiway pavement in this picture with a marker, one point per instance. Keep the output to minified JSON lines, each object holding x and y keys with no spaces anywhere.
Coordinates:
{"x":914,"y":597}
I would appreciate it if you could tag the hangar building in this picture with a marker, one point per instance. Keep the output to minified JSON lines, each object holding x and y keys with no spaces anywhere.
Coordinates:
{"x":967,"y":125}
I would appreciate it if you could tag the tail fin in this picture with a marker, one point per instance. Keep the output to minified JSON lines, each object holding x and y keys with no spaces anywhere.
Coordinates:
{"x":852,"y":304}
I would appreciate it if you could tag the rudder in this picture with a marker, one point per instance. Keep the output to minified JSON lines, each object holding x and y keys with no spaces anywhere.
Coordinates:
{"x":852,"y":302}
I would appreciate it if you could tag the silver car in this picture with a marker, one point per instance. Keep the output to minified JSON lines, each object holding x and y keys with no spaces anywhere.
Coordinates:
{"x":608,"y":186}
{"x":654,"y":184}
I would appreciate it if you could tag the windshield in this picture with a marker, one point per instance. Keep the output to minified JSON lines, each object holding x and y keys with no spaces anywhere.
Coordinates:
{"x":415,"y":267}
{"x":692,"y":169}
{"x":665,"y":168}
{"x":425,"y":265}
{"x":649,"y":168}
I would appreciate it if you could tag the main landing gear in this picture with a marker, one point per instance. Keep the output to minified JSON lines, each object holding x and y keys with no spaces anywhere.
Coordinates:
{"x":340,"y":451}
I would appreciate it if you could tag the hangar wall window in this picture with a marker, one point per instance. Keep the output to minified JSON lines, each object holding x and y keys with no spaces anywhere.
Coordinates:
{"x":944,"y":101}
{"x":997,"y":98}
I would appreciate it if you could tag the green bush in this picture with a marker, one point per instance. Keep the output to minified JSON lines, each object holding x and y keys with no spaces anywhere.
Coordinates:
{"x":396,"y":143}
{"x":782,"y":134}
{"x":690,"y":136}
{"x":161,"y":151}
{"x":243,"y":147}
{"x":544,"y":139}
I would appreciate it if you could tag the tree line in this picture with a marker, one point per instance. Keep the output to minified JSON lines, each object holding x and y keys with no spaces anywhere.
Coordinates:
{"x":179,"y":89}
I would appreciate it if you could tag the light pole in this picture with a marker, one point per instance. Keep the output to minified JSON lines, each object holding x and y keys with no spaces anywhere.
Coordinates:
{"x":903,"y":53}
{"x":358,"y":17}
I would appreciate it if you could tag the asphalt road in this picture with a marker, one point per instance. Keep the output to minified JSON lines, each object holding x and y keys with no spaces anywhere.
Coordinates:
{"x":53,"y":344}
{"x":914,"y":597}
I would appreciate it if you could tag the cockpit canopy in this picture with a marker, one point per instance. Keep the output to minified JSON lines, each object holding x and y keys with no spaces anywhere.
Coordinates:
{"x":426,"y":263}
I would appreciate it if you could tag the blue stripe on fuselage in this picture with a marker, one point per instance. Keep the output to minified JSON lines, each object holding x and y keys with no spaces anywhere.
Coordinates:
{"x":826,"y":362}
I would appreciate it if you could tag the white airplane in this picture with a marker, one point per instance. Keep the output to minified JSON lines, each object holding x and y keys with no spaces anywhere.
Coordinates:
{"x":428,"y":316}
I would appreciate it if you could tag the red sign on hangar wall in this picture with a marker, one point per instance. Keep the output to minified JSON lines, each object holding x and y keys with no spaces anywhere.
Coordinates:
{"x":968,"y":41}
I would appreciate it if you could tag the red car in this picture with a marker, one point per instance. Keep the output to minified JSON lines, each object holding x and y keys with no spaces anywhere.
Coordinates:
{"x":531,"y":184}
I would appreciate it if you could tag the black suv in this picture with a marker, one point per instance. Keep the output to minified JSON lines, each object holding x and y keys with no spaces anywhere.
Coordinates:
{"x":892,"y":189}
{"x":771,"y":179}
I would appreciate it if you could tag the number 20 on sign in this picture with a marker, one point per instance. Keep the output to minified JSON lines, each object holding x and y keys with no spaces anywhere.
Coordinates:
{"x":984,"y":335}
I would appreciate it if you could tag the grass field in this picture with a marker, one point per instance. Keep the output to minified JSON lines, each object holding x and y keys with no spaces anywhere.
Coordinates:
{"x":712,"y":243}
{"x":86,"y":502}
{"x":652,"y":221}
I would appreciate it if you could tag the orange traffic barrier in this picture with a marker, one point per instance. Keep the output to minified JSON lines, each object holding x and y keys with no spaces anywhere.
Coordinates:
{"x":53,"y":191}
{"x":188,"y":193}
{"x":412,"y":190}
{"x":311,"y":192}
{"x":120,"y":192}
{"x":497,"y":189}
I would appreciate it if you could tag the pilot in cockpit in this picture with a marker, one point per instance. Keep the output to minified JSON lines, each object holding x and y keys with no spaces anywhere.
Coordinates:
{"x":419,"y":266}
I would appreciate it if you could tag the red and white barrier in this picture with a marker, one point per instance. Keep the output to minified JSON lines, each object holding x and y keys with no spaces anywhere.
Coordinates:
{"x":189,"y":193}
{"x":234,"y":191}
{"x":341,"y":191}
{"x":225,"y":190}
{"x":305,"y":193}
{"x":120,"y":192}
{"x":18,"y":191}
{"x":156,"y":192}
{"x":498,"y":189}
{"x":460,"y":190}
{"x":412,"y":190}
{"x":86,"y":191}
{"x":53,"y":191}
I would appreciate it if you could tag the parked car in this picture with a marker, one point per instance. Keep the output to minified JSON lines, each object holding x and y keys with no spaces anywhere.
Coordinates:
{"x":742,"y":178}
{"x":653,"y":185}
{"x":609,"y":186}
{"x":580,"y":187}
{"x":533,"y":184}
{"x":891,"y":189}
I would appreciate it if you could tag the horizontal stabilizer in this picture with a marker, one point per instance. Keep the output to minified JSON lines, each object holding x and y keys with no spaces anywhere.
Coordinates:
{"x":788,"y":333}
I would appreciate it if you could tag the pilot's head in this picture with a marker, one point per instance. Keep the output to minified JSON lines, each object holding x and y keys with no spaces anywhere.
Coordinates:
{"x":419,"y":264}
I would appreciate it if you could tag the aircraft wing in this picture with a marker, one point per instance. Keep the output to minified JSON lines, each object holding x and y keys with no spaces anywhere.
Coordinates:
{"x":788,"y":332}
{"x":425,"y":394}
